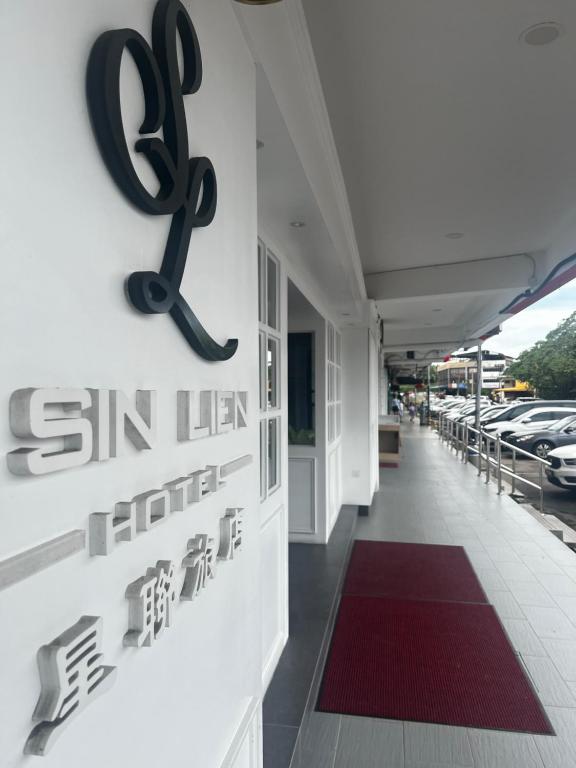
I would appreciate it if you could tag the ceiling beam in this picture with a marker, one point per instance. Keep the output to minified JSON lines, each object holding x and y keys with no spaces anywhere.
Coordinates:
{"x":516,"y":272}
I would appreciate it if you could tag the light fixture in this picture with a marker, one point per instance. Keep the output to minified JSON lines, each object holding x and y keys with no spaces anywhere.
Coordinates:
{"x":259,"y":144}
{"x":257,"y":2}
{"x":542,"y":34}
{"x":454,"y":235}
{"x":437,"y":310}
{"x":297,"y":224}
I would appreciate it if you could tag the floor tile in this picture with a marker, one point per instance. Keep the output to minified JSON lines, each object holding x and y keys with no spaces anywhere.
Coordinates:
{"x":279,"y":743}
{"x":559,"y":751}
{"x":369,"y":743}
{"x":558,"y":585}
{"x":428,"y":745}
{"x":491,"y":578}
{"x":493,"y":749}
{"x":515,"y":572}
{"x":551,"y":689}
{"x":563,"y":654}
{"x":318,"y":740}
{"x":550,"y":622}
{"x":541,"y":564}
{"x":530,"y":594}
{"x":523,"y":637}
{"x":502,"y":555}
{"x":568,"y":606}
{"x":506,"y":605}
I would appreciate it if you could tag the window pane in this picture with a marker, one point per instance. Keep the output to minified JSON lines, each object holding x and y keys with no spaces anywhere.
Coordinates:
{"x":262,"y":370}
{"x":272,"y":283}
{"x":330,"y":423}
{"x":301,"y":389}
{"x":330,"y":343}
{"x":263,"y":459}
{"x":272,"y":373}
{"x":261,"y":284}
{"x":273,"y":457}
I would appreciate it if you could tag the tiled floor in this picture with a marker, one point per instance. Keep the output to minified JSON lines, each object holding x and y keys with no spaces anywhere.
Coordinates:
{"x":530,"y":578}
{"x":315,"y":573}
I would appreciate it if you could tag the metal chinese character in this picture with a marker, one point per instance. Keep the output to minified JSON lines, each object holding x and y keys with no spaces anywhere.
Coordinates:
{"x":200,"y":563}
{"x":71,"y":677}
{"x":230,"y":534}
{"x":152,"y":599}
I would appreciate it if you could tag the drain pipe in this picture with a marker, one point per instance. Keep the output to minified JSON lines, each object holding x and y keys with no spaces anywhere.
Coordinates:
{"x":478,"y":384}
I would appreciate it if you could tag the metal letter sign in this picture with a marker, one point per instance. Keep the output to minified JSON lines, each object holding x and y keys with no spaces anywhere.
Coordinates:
{"x":72,"y":676}
{"x":187,"y":186}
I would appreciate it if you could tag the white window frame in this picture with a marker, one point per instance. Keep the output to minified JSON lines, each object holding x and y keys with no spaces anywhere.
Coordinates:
{"x":268,"y":412}
{"x":333,"y":383}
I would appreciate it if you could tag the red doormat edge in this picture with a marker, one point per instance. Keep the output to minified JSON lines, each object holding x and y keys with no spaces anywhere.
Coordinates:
{"x":464,"y":587}
{"x":545,"y":729}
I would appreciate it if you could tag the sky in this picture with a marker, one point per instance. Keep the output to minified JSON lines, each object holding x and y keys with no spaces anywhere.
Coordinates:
{"x":532,"y":324}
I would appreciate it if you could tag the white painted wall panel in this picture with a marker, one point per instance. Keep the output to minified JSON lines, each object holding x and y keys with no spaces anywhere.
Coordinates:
{"x":360,"y":416}
{"x":303,"y":495}
{"x":70,"y":239}
{"x":274,"y":564}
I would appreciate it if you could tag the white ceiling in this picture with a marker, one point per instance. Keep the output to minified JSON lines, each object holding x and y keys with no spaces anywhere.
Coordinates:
{"x":285,"y":196}
{"x":445,"y":122}
{"x":420,"y":118}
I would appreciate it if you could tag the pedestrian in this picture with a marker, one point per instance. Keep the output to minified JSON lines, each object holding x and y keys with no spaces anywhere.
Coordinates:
{"x":412,"y":411}
{"x":396,"y":408}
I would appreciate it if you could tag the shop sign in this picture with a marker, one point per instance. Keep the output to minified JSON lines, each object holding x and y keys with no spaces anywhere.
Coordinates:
{"x":187,"y":186}
{"x":94,"y":425}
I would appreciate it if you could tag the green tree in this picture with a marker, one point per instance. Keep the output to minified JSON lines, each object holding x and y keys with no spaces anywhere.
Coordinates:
{"x":550,"y":365}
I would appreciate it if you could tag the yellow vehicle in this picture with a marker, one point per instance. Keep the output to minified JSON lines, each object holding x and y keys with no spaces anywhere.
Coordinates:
{"x":512,"y":390}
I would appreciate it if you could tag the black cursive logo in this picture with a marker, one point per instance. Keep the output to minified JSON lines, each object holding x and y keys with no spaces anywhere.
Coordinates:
{"x":187,"y":186}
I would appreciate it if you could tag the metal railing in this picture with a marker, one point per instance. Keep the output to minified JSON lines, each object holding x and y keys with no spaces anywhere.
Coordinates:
{"x":486,"y":449}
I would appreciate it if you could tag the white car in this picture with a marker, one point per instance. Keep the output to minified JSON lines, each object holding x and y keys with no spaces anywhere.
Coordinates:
{"x":562,"y":469}
{"x":485,"y":413}
{"x":539,"y":418}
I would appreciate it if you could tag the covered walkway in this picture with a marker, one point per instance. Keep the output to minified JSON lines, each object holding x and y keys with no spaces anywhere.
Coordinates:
{"x":529,"y":577}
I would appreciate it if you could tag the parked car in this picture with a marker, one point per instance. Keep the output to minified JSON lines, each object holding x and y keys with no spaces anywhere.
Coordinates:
{"x":562,"y":469}
{"x":485,"y":413}
{"x":517,"y":409}
{"x":541,"y":418}
{"x":541,"y":442}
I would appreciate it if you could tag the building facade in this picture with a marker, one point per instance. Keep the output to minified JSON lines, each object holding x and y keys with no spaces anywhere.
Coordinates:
{"x":458,"y":375}
{"x":202,"y":299}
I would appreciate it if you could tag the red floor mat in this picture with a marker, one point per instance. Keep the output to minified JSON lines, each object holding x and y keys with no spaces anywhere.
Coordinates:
{"x":447,"y":663}
{"x":412,"y":572}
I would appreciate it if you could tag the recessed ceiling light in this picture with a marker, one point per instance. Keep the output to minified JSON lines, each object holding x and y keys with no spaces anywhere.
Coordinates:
{"x":454,"y":235}
{"x":297,"y":224}
{"x":542,"y":34}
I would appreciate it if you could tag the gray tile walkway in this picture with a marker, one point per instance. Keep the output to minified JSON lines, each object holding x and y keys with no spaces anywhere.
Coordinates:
{"x":529,"y":577}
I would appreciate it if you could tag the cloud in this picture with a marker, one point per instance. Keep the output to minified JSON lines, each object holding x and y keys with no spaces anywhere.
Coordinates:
{"x":532,"y":324}
{"x":525,"y":329}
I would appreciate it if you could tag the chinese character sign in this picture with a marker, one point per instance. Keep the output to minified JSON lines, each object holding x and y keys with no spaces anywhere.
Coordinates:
{"x":151,"y":598}
{"x":71,"y":677}
{"x":200,"y":563}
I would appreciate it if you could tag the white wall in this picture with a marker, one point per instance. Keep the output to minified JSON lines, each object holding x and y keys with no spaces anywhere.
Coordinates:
{"x":69,"y":240}
{"x":383,"y":381}
{"x":360,"y":416}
